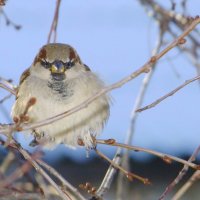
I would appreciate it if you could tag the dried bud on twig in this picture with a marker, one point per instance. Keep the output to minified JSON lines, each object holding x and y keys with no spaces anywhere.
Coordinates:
{"x":181,"y":41}
{"x":88,"y":188}
{"x":167,"y":159}
{"x":153,"y":59}
{"x":110,"y":141}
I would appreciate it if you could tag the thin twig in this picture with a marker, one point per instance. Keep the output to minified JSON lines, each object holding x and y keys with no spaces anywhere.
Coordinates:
{"x":40,"y":170}
{"x":168,"y":94}
{"x":180,"y":175}
{"x":129,"y":175}
{"x":43,"y":186}
{"x":64,"y":182}
{"x":144,"y":69}
{"x":121,"y":191}
{"x":7,"y":85}
{"x":54,"y":24}
{"x":24,"y":196}
{"x":18,"y":173}
{"x":180,"y":21}
{"x":166,"y":157}
{"x":5,"y":98}
{"x":6,"y":162}
{"x":187,"y":185}
{"x":4,"y":86}
{"x":108,"y":178}
{"x":7,"y":19}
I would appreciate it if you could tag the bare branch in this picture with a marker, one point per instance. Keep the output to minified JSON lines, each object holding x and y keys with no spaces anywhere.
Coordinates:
{"x":18,"y":173}
{"x":6,"y":84}
{"x":11,"y":90}
{"x":5,"y":98}
{"x":24,"y":196}
{"x":40,"y":170}
{"x":166,"y":157}
{"x":53,"y":29}
{"x":6,"y":162}
{"x":121,"y":191}
{"x":180,"y":175}
{"x":129,"y":175}
{"x":180,"y":21}
{"x":168,"y":94}
{"x":7,"y":19}
{"x":64,"y":183}
{"x":108,"y":178}
{"x":195,"y":177}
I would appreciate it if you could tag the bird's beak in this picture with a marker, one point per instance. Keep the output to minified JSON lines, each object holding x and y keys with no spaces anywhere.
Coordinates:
{"x":57,"y":68}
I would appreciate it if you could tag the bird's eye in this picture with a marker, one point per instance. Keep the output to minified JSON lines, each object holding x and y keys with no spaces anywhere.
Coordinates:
{"x":69,"y":64}
{"x":45,"y":64}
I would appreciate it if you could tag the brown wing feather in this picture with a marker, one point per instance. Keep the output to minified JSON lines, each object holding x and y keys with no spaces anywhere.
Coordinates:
{"x":23,"y":77}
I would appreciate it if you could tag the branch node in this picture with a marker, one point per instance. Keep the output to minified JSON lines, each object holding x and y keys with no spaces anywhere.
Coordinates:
{"x":110,"y":141}
{"x":88,"y":188}
{"x":129,"y":176}
{"x":147,"y":69}
{"x":167,"y":159}
{"x":153,"y":59}
{"x":181,"y":41}
{"x":80,"y":142}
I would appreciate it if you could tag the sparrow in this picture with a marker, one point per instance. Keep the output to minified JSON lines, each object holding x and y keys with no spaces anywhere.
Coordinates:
{"x":59,"y":81}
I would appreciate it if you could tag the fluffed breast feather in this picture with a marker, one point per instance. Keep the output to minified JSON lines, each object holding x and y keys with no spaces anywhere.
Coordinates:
{"x":54,"y":99}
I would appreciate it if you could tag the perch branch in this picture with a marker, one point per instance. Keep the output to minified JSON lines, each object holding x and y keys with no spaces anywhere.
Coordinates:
{"x":166,"y":157}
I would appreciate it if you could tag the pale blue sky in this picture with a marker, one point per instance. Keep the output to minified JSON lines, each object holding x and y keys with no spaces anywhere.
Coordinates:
{"x":114,"y":38}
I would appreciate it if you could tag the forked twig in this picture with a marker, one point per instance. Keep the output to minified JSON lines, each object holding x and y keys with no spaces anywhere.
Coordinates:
{"x":7,"y":19}
{"x":166,"y":157}
{"x":64,"y":182}
{"x":195,"y":177}
{"x":180,"y":175}
{"x":109,"y":176}
{"x":39,"y":169}
{"x":129,"y":175}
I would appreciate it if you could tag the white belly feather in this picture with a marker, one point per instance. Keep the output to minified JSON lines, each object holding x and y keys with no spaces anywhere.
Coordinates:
{"x":80,"y":125}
